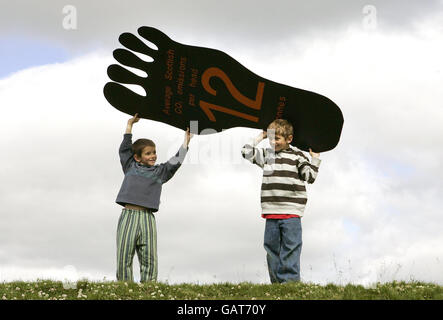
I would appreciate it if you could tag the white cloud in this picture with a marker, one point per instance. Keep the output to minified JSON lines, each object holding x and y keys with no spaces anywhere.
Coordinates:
{"x":375,"y":205}
{"x":226,"y":22}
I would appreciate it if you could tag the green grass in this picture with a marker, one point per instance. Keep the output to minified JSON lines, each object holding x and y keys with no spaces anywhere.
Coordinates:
{"x":86,"y":290}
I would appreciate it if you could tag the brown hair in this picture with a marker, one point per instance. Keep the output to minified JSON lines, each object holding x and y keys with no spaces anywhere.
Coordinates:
{"x":140,"y":144}
{"x":282,"y":127}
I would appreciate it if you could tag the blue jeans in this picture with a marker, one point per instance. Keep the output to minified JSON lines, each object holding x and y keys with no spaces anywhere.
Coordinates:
{"x":283,"y":244}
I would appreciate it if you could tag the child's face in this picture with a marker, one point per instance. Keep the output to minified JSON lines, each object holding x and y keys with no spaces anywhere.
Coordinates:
{"x":148,"y":157}
{"x":278,"y":142}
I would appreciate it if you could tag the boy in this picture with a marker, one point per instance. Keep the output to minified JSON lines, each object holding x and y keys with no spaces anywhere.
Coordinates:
{"x":283,"y":197}
{"x":140,"y":197}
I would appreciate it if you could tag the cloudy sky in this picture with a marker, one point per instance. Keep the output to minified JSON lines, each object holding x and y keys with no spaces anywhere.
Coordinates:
{"x":374,"y":213}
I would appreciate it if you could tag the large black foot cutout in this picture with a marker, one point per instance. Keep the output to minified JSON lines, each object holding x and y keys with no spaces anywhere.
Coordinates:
{"x":187,"y":83}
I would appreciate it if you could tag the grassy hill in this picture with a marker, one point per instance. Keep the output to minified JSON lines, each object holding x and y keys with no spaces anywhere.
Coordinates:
{"x":86,"y":290}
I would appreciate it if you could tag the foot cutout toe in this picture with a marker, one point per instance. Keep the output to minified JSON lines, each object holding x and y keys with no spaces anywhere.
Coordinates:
{"x":156,"y":37}
{"x":122,"y":75}
{"x":123,"y":99}
{"x":131,"y":42}
{"x":129,"y":59}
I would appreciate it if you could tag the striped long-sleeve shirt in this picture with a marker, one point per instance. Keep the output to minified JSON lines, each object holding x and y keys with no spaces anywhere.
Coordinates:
{"x":285,"y":173}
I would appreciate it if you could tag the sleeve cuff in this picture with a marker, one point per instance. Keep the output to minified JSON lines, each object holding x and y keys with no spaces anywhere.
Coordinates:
{"x":316,"y":161}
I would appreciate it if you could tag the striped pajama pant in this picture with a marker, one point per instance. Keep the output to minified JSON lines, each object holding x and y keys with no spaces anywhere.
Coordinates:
{"x":137,"y":232}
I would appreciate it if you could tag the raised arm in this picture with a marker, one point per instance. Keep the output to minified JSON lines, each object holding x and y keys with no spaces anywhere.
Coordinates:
{"x":255,"y":155}
{"x":169,"y":168}
{"x":131,"y":121}
{"x":125,"y":150}
{"x":188,"y":137}
{"x":308,"y":170}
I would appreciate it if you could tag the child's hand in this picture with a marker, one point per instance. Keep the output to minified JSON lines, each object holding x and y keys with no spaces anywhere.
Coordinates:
{"x":133,"y":120}
{"x":188,"y":137}
{"x":263,"y":135}
{"x":313,"y":154}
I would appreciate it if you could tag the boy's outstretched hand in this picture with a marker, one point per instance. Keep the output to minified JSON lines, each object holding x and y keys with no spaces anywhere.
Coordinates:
{"x":188,"y":137}
{"x":314,"y":154}
{"x":131,"y":121}
{"x":262,"y":135}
